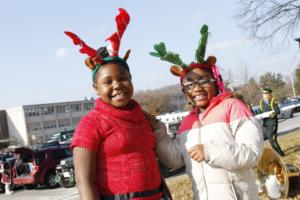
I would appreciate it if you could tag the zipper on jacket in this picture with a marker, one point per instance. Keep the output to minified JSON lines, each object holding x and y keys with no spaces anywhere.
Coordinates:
{"x":201,"y":164}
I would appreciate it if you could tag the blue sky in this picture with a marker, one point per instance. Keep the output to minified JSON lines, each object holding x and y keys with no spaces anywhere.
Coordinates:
{"x":39,"y":64}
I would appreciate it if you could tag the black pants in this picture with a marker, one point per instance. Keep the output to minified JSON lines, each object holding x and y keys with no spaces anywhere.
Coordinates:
{"x":272,"y":136}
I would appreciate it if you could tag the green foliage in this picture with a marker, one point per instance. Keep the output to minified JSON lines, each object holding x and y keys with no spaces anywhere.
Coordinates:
{"x":163,"y":54}
{"x":274,"y":82}
{"x":200,"y":52}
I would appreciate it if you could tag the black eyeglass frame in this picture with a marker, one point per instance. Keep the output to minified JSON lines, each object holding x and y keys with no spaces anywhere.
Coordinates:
{"x":201,"y":82}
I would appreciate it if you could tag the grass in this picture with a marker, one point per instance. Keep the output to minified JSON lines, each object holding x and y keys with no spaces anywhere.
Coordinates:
{"x":181,"y":186}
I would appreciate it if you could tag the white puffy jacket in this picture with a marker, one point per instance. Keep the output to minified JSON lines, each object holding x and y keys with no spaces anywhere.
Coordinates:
{"x":233,"y":144}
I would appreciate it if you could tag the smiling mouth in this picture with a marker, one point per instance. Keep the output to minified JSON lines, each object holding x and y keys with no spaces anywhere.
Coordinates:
{"x":200,"y":97}
{"x":120,"y":95}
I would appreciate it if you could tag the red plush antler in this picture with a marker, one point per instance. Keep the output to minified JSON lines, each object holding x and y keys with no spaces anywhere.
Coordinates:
{"x":122,"y":21}
{"x":85,"y":49}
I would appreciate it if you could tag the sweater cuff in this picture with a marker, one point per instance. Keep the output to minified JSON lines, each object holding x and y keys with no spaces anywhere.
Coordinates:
{"x":77,"y":142}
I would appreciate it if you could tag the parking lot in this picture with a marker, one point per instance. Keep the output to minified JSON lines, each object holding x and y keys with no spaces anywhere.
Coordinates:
{"x":285,"y":126}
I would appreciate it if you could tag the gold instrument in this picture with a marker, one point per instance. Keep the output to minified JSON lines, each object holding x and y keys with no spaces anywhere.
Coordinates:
{"x":275,"y":178}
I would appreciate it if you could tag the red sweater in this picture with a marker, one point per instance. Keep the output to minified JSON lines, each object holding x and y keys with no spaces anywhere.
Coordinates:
{"x":124,"y":142}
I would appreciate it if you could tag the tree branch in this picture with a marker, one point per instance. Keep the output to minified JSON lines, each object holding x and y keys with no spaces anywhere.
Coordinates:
{"x":264,"y":19}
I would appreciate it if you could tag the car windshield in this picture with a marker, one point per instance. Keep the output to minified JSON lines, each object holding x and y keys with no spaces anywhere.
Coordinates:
{"x":55,"y":136}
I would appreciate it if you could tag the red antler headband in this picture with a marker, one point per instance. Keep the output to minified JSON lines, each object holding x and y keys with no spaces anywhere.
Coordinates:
{"x":100,"y":56}
{"x":122,"y":21}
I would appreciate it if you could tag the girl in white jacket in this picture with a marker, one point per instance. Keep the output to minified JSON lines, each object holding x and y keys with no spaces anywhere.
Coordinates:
{"x":220,"y":141}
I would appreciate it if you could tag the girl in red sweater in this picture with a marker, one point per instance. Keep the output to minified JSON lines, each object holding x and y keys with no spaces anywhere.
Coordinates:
{"x":113,"y":145}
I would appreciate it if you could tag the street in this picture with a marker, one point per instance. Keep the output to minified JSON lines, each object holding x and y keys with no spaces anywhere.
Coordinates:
{"x":288,"y":125}
{"x":285,"y":126}
{"x":43,"y":194}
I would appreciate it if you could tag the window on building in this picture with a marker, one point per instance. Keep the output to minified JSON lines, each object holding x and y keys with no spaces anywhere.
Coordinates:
{"x":49,"y":124}
{"x":61,"y":109}
{"x":64,"y":122}
{"x":76,"y":107}
{"x":34,"y":126}
{"x":26,"y":112}
{"x":75,"y":120}
{"x":31,"y":112}
{"x":88,"y":106}
{"x":47,"y":110}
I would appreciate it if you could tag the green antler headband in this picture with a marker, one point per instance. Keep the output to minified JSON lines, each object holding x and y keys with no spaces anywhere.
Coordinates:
{"x":162,"y":53}
{"x":174,"y":58}
{"x":200,"y":52}
{"x":180,"y":68}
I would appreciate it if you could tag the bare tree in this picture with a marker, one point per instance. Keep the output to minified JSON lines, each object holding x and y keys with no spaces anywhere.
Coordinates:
{"x":269,"y":19}
{"x":227,"y":77}
{"x":243,"y":74}
{"x":251,"y":91}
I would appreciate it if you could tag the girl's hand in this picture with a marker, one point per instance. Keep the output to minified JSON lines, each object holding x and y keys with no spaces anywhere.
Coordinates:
{"x":152,"y":120}
{"x":197,"y":153}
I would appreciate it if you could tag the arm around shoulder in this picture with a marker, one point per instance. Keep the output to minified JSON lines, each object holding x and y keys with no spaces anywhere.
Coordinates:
{"x":167,"y":149}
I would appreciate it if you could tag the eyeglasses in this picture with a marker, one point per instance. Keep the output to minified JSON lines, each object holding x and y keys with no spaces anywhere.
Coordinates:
{"x":202,"y":82}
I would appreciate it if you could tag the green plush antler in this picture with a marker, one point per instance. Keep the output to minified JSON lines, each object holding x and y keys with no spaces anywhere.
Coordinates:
{"x":162,"y":53}
{"x":200,"y":52}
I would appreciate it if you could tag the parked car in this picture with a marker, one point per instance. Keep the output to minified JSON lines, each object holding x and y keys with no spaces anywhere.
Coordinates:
{"x":64,"y":137}
{"x":286,"y":110}
{"x":65,"y":175}
{"x":37,"y":166}
{"x":293,"y":103}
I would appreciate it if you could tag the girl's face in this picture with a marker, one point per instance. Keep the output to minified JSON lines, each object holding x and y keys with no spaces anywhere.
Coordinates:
{"x":113,"y":85}
{"x":199,"y":87}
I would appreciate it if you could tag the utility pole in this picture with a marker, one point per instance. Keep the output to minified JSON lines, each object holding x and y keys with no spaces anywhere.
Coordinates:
{"x":297,"y":40}
{"x":293,"y":86}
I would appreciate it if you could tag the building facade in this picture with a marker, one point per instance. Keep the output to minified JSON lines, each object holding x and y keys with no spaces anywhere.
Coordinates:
{"x":31,"y":124}
{"x":4,"y":135}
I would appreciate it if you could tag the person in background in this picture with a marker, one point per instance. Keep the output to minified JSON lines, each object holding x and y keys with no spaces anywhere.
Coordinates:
{"x":269,"y":103}
{"x":114,"y":144}
{"x":220,"y":140}
{"x":6,"y":176}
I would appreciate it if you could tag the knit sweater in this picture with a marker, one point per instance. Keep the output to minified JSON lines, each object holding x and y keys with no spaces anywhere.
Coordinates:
{"x":124,"y":142}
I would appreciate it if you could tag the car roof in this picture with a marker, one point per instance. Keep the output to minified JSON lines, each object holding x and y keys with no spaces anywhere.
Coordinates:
{"x":40,"y":149}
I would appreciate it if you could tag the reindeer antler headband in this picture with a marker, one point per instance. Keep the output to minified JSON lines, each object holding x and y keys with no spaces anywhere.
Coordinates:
{"x":180,"y":68}
{"x":101,"y":56}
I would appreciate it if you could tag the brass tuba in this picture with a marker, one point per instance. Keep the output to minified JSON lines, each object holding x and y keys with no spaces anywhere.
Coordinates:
{"x":275,"y":179}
